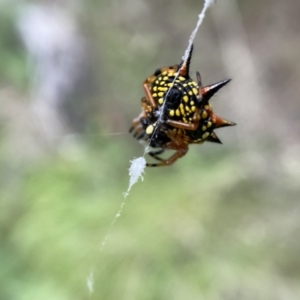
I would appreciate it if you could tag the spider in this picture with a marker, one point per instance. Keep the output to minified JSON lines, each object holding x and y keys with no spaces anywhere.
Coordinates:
{"x":176,"y":112}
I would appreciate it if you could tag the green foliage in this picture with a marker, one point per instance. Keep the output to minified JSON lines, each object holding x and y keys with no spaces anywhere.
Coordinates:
{"x":186,"y":232}
{"x":13,"y":61}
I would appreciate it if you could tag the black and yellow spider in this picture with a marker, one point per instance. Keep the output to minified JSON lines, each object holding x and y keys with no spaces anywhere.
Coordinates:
{"x":176,"y":113}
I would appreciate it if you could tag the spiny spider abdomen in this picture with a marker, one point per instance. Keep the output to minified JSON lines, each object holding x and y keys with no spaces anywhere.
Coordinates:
{"x":176,"y":112}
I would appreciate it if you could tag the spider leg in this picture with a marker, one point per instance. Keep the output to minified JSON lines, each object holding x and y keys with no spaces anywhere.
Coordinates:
{"x":182,"y":149}
{"x":146,"y":106}
{"x":155,"y":153}
{"x":149,"y":95}
{"x":135,"y":124}
{"x":139,"y":133}
{"x":186,"y":126}
{"x":145,"y":109}
{"x":137,"y":129}
{"x":181,"y":125}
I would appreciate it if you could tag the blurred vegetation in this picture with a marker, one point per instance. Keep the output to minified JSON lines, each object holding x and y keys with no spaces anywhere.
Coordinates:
{"x":222,"y":223}
{"x":13,"y":68}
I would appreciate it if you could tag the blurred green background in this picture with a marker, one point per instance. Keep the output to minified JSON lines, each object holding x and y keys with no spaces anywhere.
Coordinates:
{"x":221,"y":223}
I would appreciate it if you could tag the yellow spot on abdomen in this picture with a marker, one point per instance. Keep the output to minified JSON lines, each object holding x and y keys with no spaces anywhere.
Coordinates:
{"x":154,"y":95}
{"x":209,"y":124}
{"x":193,"y":108}
{"x":204,"y":128}
{"x":171,"y":113}
{"x":185,"y":98}
{"x":161,"y":100}
{"x":195,"y":91}
{"x":205,"y":135}
{"x":154,"y":88}
{"x":177,"y":112}
{"x":164,"y":89}
{"x":149,"y":129}
{"x":160,"y":94}
{"x":182,"y":108}
{"x":204,"y":114}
